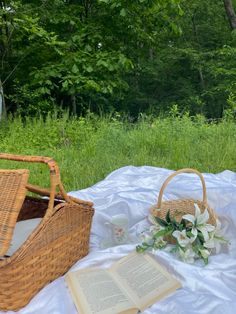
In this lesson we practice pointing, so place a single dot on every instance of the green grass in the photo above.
(87, 149)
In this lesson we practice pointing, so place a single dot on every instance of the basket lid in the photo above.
(12, 195)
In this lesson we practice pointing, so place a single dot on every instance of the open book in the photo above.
(131, 284)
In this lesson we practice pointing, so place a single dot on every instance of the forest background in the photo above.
(142, 82)
(118, 55)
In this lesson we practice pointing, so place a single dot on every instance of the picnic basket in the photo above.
(180, 207)
(60, 239)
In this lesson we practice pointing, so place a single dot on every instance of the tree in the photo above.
(78, 54)
(2, 102)
(106, 55)
(21, 39)
(194, 68)
(230, 13)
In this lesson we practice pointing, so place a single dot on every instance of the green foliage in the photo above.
(192, 67)
(117, 55)
(89, 148)
(76, 54)
(191, 238)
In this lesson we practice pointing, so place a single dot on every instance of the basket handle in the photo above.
(185, 170)
(40, 159)
(54, 175)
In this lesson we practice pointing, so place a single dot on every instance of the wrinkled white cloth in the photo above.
(131, 191)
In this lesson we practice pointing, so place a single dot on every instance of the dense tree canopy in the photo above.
(106, 55)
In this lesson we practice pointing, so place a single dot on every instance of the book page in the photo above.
(95, 291)
(144, 279)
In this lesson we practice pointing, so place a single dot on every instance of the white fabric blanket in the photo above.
(131, 191)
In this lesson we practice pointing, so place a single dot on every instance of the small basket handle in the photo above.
(185, 170)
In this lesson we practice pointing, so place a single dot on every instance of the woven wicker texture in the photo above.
(61, 239)
(180, 207)
(12, 194)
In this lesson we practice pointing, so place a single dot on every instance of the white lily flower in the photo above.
(218, 231)
(205, 230)
(208, 237)
(187, 255)
(212, 244)
(159, 243)
(152, 220)
(205, 253)
(194, 233)
(181, 237)
(216, 238)
(199, 218)
(154, 229)
(199, 222)
(146, 237)
(155, 225)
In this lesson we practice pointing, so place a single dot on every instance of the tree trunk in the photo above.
(2, 102)
(200, 72)
(230, 13)
(202, 81)
(73, 102)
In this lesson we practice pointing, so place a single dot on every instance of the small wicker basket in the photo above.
(180, 207)
(61, 238)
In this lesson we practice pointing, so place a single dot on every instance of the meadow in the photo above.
(89, 148)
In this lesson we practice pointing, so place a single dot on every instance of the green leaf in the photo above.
(161, 222)
(65, 84)
(183, 223)
(175, 224)
(89, 69)
(140, 249)
(88, 48)
(123, 12)
(189, 234)
(168, 219)
(163, 232)
(75, 69)
(175, 249)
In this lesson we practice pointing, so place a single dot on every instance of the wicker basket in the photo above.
(61, 238)
(180, 207)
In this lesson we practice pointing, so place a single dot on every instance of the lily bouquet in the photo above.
(191, 238)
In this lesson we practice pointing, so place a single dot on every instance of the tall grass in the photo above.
(89, 148)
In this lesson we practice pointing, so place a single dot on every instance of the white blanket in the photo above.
(132, 190)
